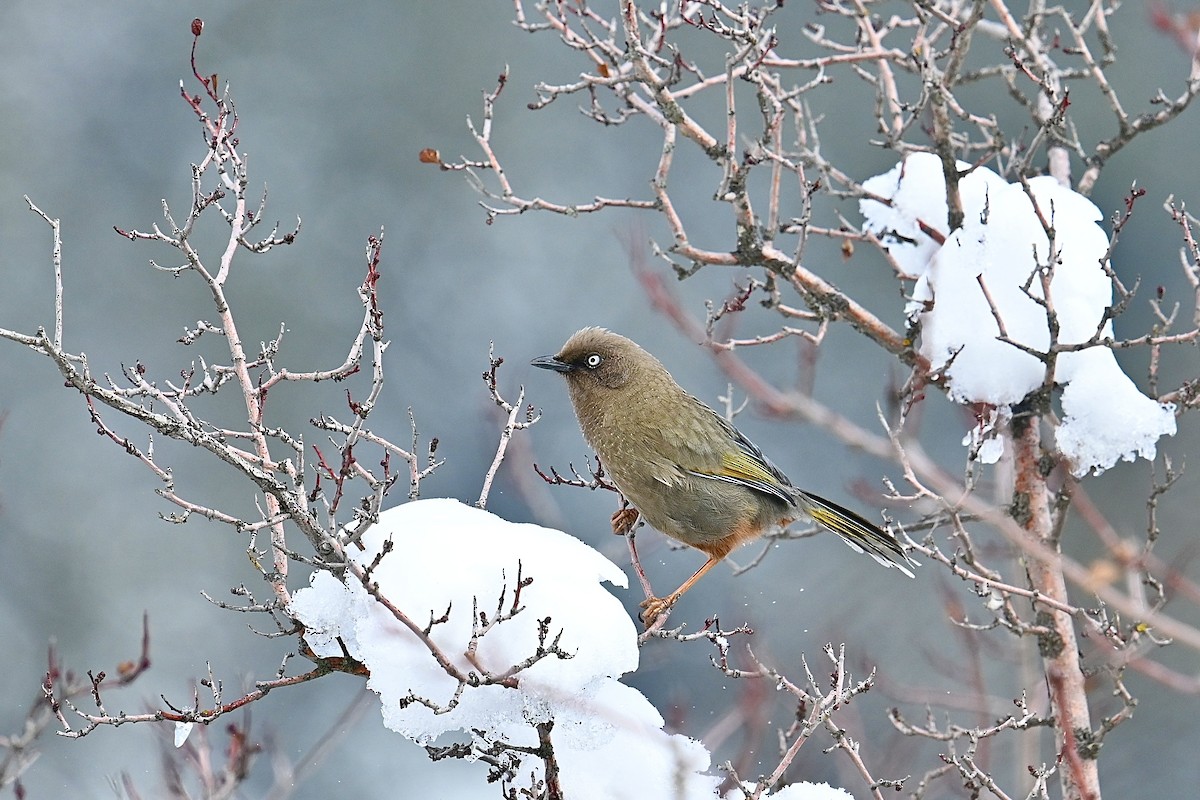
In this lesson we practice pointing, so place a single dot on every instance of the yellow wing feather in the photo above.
(741, 465)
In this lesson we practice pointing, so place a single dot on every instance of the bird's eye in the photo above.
(593, 360)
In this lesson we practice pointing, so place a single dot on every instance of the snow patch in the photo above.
(979, 299)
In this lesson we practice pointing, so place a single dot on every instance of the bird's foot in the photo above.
(624, 520)
(655, 607)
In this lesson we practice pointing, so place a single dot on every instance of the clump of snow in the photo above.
(608, 739)
(812, 791)
(795, 791)
(1125, 424)
(984, 440)
(996, 254)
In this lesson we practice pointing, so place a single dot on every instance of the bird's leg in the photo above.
(653, 607)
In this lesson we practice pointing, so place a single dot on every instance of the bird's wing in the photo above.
(744, 464)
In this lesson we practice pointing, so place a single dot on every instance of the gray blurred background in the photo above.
(336, 100)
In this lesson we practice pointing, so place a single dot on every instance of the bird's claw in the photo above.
(653, 608)
(623, 520)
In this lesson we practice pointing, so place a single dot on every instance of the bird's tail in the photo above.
(863, 536)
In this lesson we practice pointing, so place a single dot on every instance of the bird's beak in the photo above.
(550, 362)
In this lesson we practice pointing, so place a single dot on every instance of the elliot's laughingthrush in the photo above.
(683, 466)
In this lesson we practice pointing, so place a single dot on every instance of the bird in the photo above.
(685, 468)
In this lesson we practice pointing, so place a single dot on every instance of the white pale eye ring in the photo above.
(593, 360)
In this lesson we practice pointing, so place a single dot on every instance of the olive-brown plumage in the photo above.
(686, 469)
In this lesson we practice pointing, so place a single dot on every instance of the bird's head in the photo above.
(597, 361)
